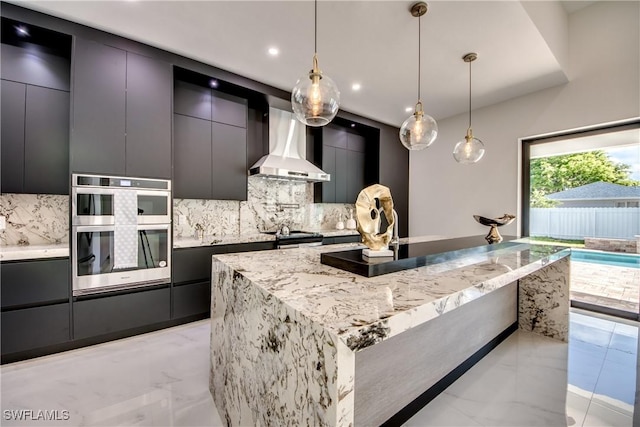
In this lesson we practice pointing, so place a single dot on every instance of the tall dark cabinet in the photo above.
(209, 144)
(344, 155)
(35, 112)
(121, 121)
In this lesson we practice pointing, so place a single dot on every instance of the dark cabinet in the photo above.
(35, 139)
(210, 144)
(115, 313)
(34, 282)
(98, 121)
(46, 141)
(353, 238)
(35, 304)
(148, 141)
(192, 158)
(35, 327)
(191, 299)
(121, 121)
(344, 157)
(229, 162)
(192, 275)
(13, 97)
(228, 109)
(192, 100)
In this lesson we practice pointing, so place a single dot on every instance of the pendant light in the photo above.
(315, 98)
(471, 149)
(419, 130)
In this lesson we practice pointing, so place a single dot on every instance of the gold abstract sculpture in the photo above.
(371, 202)
(494, 236)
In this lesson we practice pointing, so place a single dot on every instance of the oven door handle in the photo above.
(141, 227)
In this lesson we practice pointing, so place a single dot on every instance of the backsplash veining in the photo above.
(270, 204)
(34, 219)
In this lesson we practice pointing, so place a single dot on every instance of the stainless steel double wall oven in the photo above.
(121, 232)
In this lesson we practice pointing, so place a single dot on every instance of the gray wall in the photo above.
(604, 56)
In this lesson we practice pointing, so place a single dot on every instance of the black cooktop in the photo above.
(412, 255)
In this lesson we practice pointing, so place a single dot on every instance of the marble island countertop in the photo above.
(299, 340)
(13, 253)
(363, 311)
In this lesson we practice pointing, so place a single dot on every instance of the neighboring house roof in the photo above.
(597, 191)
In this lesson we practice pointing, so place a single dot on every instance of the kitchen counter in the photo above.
(322, 329)
(14, 253)
(190, 242)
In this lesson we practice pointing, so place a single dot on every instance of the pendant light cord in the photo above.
(419, 32)
(315, 26)
(470, 94)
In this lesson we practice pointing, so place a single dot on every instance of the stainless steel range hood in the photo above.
(287, 149)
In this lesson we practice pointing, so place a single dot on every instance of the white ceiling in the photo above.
(374, 43)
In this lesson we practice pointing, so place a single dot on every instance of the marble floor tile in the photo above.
(441, 415)
(501, 391)
(577, 406)
(157, 379)
(601, 416)
(586, 361)
(161, 379)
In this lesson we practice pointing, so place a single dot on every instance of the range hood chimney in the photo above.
(287, 149)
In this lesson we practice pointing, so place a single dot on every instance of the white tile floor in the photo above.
(161, 379)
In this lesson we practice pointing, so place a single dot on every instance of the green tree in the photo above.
(558, 173)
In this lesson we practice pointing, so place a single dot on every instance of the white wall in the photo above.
(604, 58)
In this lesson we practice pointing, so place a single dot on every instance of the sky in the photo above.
(629, 155)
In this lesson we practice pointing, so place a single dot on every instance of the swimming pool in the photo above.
(606, 258)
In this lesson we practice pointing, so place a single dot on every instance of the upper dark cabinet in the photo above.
(34, 65)
(13, 96)
(192, 100)
(148, 140)
(46, 141)
(229, 161)
(35, 112)
(99, 102)
(228, 109)
(344, 155)
(210, 143)
(192, 158)
(121, 112)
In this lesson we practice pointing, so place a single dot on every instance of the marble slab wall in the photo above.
(34, 219)
(270, 204)
(284, 371)
(544, 301)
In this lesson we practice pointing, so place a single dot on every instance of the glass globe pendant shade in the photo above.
(419, 130)
(468, 151)
(315, 98)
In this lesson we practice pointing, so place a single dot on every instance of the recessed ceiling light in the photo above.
(356, 86)
(213, 83)
(408, 109)
(273, 51)
(353, 125)
(22, 31)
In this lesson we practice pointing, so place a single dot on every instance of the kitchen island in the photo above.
(298, 342)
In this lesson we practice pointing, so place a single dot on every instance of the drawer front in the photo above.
(103, 315)
(191, 299)
(193, 264)
(31, 328)
(32, 282)
(347, 239)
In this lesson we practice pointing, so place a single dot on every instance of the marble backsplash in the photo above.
(34, 219)
(40, 219)
(269, 205)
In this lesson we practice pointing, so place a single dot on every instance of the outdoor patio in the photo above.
(609, 286)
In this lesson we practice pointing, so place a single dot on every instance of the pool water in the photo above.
(606, 258)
